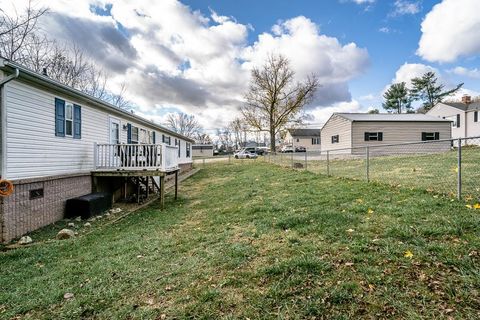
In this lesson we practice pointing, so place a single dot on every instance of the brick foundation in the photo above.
(20, 214)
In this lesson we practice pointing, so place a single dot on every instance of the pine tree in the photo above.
(425, 89)
(397, 98)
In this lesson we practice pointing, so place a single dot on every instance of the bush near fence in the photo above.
(450, 167)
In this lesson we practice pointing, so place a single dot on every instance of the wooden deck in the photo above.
(140, 173)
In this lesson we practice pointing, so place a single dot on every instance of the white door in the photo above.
(115, 140)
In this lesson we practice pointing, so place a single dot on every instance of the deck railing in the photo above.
(135, 157)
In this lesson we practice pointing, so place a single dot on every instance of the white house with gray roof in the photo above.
(308, 138)
(463, 116)
(358, 130)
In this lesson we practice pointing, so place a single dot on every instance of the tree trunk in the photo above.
(272, 140)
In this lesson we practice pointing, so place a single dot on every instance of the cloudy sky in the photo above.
(195, 56)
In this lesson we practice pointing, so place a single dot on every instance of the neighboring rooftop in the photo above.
(304, 132)
(464, 106)
(394, 117)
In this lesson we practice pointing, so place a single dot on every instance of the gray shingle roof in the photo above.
(463, 106)
(304, 132)
(404, 117)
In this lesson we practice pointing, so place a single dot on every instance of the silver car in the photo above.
(245, 154)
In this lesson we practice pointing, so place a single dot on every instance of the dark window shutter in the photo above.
(380, 136)
(59, 117)
(366, 136)
(424, 136)
(163, 138)
(475, 116)
(129, 133)
(154, 137)
(77, 122)
(458, 121)
(437, 135)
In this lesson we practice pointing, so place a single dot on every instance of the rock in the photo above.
(71, 224)
(88, 224)
(107, 214)
(68, 295)
(25, 240)
(115, 210)
(99, 217)
(65, 234)
(91, 219)
(298, 165)
(78, 219)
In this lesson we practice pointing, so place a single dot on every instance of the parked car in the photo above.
(245, 154)
(300, 149)
(286, 148)
(256, 150)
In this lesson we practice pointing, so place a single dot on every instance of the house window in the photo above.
(335, 139)
(427, 136)
(188, 149)
(475, 116)
(134, 134)
(68, 119)
(179, 145)
(315, 140)
(373, 136)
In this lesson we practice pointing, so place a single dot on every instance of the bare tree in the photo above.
(225, 138)
(184, 124)
(274, 98)
(203, 138)
(16, 29)
(239, 130)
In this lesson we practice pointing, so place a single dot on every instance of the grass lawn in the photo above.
(434, 172)
(253, 240)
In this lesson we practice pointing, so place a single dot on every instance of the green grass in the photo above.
(252, 240)
(433, 172)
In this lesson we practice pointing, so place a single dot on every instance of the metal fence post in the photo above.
(367, 154)
(328, 162)
(459, 167)
(306, 162)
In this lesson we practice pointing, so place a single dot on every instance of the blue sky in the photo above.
(391, 38)
(195, 56)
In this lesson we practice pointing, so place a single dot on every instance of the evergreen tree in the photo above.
(425, 89)
(397, 98)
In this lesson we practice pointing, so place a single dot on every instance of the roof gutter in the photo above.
(10, 77)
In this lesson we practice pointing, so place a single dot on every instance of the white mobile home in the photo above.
(359, 130)
(463, 116)
(55, 138)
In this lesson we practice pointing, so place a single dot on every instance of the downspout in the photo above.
(3, 120)
(3, 123)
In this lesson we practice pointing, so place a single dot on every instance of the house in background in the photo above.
(58, 143)
(308, 138)
(358, 130)
(202, 150)
(463, 115)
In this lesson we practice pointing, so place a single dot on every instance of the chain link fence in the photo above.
(450, 167)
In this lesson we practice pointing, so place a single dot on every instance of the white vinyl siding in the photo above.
(33, 150)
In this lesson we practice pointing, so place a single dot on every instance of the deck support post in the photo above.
(176, 184)
(162, 192)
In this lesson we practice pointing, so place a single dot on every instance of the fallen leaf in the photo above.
(476, 206)
(68, 295)
(408, 254)
(370, 211)
(349, 264)
(350, 230)
(469, 206)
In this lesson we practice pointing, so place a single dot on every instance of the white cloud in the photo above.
(403, 7)
(451, 30)
(363, 1)
(464, 72)
(384, 30)
(412, 70)
(321, 115)
(174, 57)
